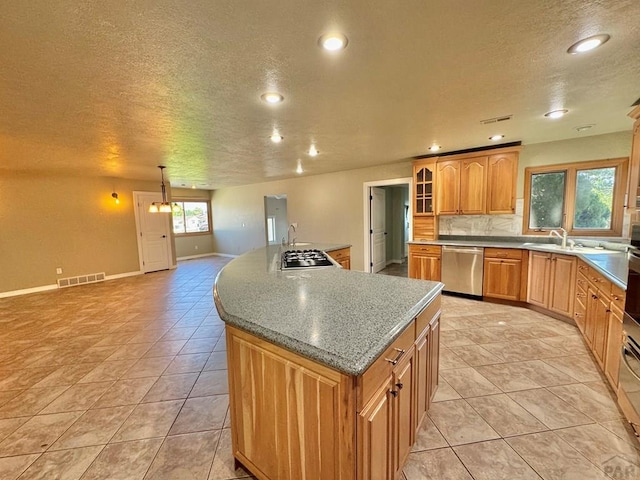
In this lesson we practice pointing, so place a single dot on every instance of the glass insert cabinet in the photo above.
(423, 176)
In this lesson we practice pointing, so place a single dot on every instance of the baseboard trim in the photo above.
(123, 275)
(46, 288)
(395, 260)
(226, 255)
(191, 257)
(27, 291)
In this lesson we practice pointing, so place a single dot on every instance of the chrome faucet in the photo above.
(289, 242)
(563, 236)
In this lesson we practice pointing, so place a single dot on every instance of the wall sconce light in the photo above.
(115, 196)
(164, 206)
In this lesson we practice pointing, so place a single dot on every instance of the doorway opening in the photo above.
(387, 226)
(275, 218)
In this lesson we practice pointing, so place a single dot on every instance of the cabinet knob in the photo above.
(399, 385)
(394, 393)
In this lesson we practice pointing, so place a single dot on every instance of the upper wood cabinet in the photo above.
(477, 183)
(448, 188)
(633, 190)
(473, 186)
(501, 183)
(424, 174)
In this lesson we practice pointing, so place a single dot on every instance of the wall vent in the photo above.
(81, 280)
(496, 119)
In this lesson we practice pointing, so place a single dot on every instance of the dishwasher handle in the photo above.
(468, 250)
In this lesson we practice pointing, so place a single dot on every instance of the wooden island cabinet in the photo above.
(294, 418)
(598, 314)
(342, 256)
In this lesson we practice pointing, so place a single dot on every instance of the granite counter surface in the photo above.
(340, 318)
(614, 266)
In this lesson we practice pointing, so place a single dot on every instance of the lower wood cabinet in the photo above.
(551, 284)
(614, 344)
(598, 313)
(292, 418)
(425, 262)
(342, 256)
(503, 274)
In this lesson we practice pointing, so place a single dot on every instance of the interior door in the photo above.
(378, 229)
(154, 235)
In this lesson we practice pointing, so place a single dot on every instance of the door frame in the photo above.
(366, 193)
(170, 246)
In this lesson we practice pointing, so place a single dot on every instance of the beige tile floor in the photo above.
(127, 380)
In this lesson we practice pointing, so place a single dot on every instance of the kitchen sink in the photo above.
(558, 248)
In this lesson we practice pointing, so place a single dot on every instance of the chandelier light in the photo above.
(164, 206)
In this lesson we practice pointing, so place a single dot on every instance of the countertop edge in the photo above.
(588, 258)
(316, 354)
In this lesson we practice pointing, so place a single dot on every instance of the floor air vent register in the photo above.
(81, 280)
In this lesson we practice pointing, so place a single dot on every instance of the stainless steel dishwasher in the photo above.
(462, 269)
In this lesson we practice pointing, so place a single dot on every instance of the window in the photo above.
(191, 217)
(583, 198)
(271, 229)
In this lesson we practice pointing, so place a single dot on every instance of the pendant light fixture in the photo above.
(164, 206)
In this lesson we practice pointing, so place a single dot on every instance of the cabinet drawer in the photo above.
(423, 319)
(598, 280)
(581, 282)
(500, 253)
(381, 368)
(341, 254)
(617, 296)
(583, 268)
(428, 249)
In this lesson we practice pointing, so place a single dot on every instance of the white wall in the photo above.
(327, 208)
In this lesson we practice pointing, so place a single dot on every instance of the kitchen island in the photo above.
(330, 371)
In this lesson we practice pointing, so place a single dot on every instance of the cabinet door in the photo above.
(422, 380)
(502, 278)
(590, 314)
(448, 188)
(580, 313)
(473, 186)
(614, 344)
(424, 267)
(501, 183)
(562, 284)
(346, 264)
(600, 319)
(423, 181)
(539, 271)
(434, 356)
(375, 437)
(404, 421)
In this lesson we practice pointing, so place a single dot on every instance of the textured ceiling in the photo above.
(115, 88)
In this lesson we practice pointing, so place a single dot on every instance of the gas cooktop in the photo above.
(305, 259)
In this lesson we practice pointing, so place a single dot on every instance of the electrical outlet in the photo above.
(59, 271)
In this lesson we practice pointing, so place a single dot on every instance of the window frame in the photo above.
(193, 200)
(571, 170)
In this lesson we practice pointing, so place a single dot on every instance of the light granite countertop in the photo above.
(613, 265)
(340, 318)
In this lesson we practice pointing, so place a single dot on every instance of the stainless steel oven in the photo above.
(630, 354)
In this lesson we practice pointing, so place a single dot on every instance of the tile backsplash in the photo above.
(484, 225)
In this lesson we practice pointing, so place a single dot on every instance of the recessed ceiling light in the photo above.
(276, 137)
(556, 113)
(495, 138)
(272, 97)
(582, 128)
(312, 151)
(299, 168)
(434, 148)
(587, 44)
(333, 41)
